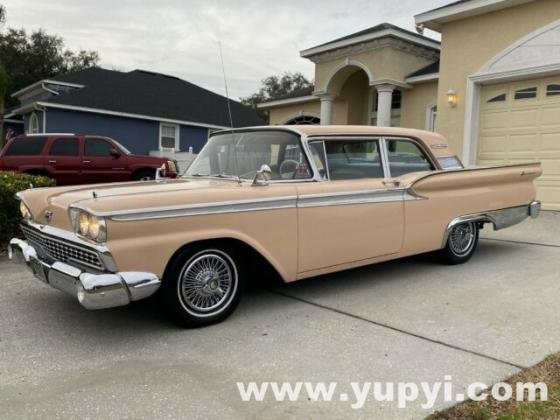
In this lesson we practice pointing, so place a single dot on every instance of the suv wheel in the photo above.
(203, 285)
(145, 175)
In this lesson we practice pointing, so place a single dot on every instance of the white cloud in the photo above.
(181, 37)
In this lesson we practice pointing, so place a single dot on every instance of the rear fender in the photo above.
(441, 197)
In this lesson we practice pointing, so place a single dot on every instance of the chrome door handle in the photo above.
(52, 161)
(392, 182)
(86, 161)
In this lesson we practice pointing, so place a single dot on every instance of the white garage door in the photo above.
(520, 122)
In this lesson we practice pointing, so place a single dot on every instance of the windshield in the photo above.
(243, 154)
(124, 149)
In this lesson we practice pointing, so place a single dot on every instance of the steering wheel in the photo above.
(288, 169)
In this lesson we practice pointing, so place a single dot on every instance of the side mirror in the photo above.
(263, 175)
(115, 153)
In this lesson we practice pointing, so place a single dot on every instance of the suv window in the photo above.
(353, 159)
(405, 157)
(65, 147)
(26, 146)
(98, 147)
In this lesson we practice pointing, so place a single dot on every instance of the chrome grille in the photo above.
(61, 250)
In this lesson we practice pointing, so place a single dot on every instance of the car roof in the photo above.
(436, 142)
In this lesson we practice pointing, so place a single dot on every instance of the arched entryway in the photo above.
(358, 98)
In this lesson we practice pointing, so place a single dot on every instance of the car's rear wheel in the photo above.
(145, 175)
(461, 243)
(203, 285)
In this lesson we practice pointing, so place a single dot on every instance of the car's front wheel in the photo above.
(461, 243)
(203, 285)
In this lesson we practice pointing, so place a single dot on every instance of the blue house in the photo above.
(144, 111)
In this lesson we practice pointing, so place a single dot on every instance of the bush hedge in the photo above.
(10, 184)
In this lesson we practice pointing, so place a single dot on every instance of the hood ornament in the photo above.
(48, 215)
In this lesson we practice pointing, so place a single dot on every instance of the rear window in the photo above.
(26, 146)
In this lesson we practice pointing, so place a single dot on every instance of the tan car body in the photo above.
(303, 227)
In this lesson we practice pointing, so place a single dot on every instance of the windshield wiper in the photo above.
(198, 175)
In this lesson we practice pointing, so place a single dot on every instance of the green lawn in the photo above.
(547, 371)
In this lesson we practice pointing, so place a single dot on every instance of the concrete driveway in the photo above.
(411, 320)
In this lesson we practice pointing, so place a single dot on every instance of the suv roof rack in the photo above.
(46, 134)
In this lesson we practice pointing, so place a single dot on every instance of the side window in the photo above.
(64, 147)
(405, 157)
(26, 146)
(353, 159)
(97, 147)
(318, 154)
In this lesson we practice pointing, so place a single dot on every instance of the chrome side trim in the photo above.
(287, 202)
(354, 197)
(500, 219)
(203, 208)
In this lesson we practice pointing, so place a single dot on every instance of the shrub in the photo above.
(10, 184)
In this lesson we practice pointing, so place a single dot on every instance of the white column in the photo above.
(326, 109)
(384, 97)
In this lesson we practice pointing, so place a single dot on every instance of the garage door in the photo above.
(520, 122)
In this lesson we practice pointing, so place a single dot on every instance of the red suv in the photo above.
(78, 159)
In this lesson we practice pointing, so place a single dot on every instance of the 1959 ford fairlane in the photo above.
(307, 200)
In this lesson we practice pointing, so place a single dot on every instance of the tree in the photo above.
(3, 89)
(2, 14)
(274, 87)
(28, 58)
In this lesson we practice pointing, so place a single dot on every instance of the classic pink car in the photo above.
(306, 200)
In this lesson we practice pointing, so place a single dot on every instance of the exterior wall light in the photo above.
(452, 98)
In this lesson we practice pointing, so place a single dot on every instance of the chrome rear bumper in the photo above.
(93, 291)
(500, 219)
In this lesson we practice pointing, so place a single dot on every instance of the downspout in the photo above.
(54, 92)
(44, 111)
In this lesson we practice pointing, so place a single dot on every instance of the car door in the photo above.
(103, 161)
(64, 161)
(355, 213)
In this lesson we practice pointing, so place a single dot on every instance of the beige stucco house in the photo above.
(492, 86)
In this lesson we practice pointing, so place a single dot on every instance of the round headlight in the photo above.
(88, 225)
(25, 213)
(94, 227)
(83, 223)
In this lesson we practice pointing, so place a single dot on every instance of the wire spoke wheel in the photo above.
(462, 238)
(207, 282)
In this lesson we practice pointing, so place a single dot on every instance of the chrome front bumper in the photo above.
(93, 291)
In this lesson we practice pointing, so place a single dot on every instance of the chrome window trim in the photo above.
(385, 157)
(324, 139)
(428, 155)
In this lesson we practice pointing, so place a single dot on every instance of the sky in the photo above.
(259, 38)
